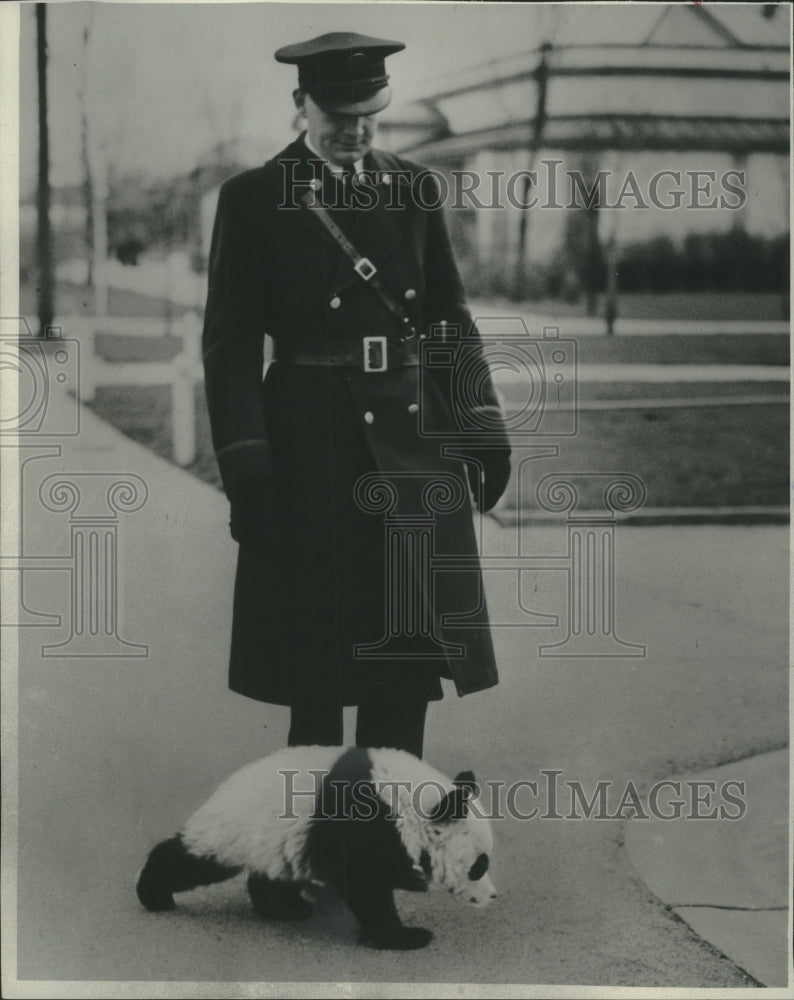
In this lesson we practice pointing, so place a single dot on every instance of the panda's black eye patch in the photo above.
(479, 868)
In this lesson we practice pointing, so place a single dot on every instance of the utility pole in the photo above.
(46, 276)
(88, 184)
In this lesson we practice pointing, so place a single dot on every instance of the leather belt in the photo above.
(370, 354)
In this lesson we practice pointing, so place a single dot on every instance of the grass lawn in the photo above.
(659, 305)
(682, 349)
(144, 414)
(708, 456)
(514, 396)
(717, 455)
(78, 300)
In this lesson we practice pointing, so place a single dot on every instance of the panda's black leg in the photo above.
(277, 900)
(171, 868)
(381, 927)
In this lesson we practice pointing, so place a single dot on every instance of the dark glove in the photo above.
(489, 473)
(253, 515)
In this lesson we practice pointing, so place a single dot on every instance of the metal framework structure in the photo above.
(661, 92)
(624, 97)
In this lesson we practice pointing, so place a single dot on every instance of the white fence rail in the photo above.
(181, 373)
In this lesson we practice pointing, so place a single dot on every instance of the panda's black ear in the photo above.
(454, 805)
(466, 781)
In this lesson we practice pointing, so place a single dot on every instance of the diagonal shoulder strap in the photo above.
(363, 266)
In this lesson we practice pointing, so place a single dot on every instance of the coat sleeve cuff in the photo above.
(243, 465)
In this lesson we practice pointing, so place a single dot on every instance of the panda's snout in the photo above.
(482, 893)
(482, 900)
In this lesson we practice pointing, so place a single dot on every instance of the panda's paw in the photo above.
(398, 939)
(156, 902)
(152, 894)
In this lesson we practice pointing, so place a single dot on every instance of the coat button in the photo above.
(369, 417)
(410, 293)
(413, 408)
(387, 178)
(335, 302)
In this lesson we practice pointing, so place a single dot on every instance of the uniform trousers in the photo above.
(386, 717)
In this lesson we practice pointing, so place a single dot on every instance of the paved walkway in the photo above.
(727, 879)
(114, 752)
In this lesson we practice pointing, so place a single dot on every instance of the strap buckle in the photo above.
(375, 354)
(365, 269)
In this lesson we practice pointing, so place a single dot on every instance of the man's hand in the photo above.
(489, 473)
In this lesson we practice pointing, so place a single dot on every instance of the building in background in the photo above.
(695, 93)
(634, 99)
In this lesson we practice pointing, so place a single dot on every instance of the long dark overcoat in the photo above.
(354, 562)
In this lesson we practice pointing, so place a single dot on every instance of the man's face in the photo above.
(340, 139)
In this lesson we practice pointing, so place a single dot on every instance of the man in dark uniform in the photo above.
(349, 469)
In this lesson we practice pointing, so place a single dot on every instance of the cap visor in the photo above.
(365, 106)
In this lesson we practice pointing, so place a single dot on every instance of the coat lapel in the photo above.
(290, 173)
(376, 231)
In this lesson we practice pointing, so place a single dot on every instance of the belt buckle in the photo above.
(365, 269)
(375, 354)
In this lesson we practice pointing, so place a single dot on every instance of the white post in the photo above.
(183, 405)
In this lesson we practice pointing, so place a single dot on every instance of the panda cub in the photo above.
(367, 821)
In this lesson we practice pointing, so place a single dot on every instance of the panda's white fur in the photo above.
(243, 822)
(293, 817)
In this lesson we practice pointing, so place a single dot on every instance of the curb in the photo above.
(651, 516)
